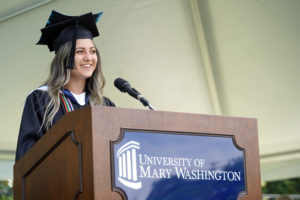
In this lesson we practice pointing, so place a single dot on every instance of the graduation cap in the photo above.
(62, 28)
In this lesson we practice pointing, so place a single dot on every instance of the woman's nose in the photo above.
(88, 56)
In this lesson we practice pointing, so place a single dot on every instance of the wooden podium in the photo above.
(73, 160)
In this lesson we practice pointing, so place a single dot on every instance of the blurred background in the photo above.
(234, 58)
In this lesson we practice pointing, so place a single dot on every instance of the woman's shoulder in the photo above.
(108, 102)
(39, 94)
(36, 102)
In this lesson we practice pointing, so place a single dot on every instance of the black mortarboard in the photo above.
(62, 28)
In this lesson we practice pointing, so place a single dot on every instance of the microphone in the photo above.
(124, 86)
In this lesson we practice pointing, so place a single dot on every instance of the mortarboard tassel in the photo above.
(72, 53)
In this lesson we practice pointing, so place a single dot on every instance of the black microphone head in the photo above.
(120, 84)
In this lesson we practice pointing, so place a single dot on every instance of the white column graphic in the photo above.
(134, 165)
(129, 173)
(124, 165)
(128, 165)
(120, 167)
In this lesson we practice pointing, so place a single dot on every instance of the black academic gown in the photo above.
(32, 118)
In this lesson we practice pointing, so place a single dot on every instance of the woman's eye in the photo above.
(79, 52)
(93, 51)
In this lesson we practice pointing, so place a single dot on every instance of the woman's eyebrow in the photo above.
(84, 48)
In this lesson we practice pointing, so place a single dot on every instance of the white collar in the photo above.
(80, 98)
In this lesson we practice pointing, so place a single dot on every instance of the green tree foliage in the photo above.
(6, 191)
(288, 186)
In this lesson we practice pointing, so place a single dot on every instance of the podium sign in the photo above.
(171, 165)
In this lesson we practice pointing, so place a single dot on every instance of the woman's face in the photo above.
(85, 59)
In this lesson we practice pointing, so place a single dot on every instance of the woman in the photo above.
(75, 81)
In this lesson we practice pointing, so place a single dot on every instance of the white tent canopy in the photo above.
(237, 58)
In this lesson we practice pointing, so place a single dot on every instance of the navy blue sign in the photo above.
(170, 166)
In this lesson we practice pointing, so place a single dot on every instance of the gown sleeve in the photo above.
(32, 118)
(108, 102)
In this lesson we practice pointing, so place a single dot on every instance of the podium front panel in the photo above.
(173, 165)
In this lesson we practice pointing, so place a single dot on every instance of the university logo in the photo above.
(127, 159)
